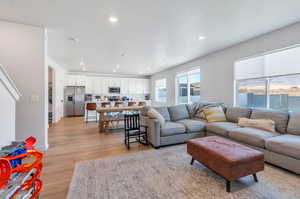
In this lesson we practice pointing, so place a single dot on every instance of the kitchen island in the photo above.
(93, 115)
(104, 121)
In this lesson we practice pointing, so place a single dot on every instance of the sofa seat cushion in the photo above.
(193, 125)
(172, 128)
(254, 137)
(285, 144)
(221, 128)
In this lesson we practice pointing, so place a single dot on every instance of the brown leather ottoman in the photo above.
(227, 158)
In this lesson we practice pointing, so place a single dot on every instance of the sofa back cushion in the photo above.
(154, 114)
(178, 112)
(294, 123)
(234, 113)
(280, 118)
(192, 108)
(163, 110)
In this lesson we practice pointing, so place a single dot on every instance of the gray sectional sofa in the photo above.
(281, 148)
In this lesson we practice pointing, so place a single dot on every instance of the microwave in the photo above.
(114, 90)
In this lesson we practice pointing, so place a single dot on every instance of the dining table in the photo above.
(103, 112)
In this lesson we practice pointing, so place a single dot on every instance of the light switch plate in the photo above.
(35, 98)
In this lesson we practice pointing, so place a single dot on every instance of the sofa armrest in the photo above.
(154, 132)
(144, 120)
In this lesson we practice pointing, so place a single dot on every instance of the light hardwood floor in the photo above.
(71, 141)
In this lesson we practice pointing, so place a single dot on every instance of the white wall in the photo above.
(22, 52)
(217, 69)
(59, 75)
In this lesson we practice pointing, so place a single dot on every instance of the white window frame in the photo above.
(156, 90)
(188, 74)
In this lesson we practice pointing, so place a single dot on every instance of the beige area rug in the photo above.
(167, 173)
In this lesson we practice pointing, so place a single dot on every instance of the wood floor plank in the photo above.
(71, 141)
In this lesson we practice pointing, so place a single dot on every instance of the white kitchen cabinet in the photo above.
(89, 85)
(124, 86)
(114, 82)
(132, 86)
(146, 86)
(75, 80)
(139, 87)
(105, 86)
(100, 85)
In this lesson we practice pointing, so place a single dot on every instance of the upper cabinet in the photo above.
(75, 80)
(100, 85)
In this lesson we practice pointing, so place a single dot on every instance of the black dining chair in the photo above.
(133, 131)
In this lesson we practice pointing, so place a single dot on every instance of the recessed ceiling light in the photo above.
(201, 38)
(117, 66)
(74, 39)
(113, 19)
(114, 70)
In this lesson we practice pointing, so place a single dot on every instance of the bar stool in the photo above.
(91, 106)
(142, 104)
(107, 115)
(131, 103)
(105, 104)
(119, 104)
(120, 114)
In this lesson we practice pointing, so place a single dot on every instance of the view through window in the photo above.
(279, 93)
(188, 87)
(161, 90)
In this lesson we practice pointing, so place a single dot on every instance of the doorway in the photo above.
(50, 95)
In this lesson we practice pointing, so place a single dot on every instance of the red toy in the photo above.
(31, 169)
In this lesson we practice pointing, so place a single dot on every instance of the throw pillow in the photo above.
(263, 124)
(154, 114)
(215, 114)
(200, 110)
(200, 114)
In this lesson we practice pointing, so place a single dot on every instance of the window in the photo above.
(252, 93)
(188, 87)
(279, 93)
(269, 81)
(161, 90)
(284, 92)
(183, 89)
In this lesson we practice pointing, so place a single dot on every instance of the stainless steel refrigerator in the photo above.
(74, 100)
